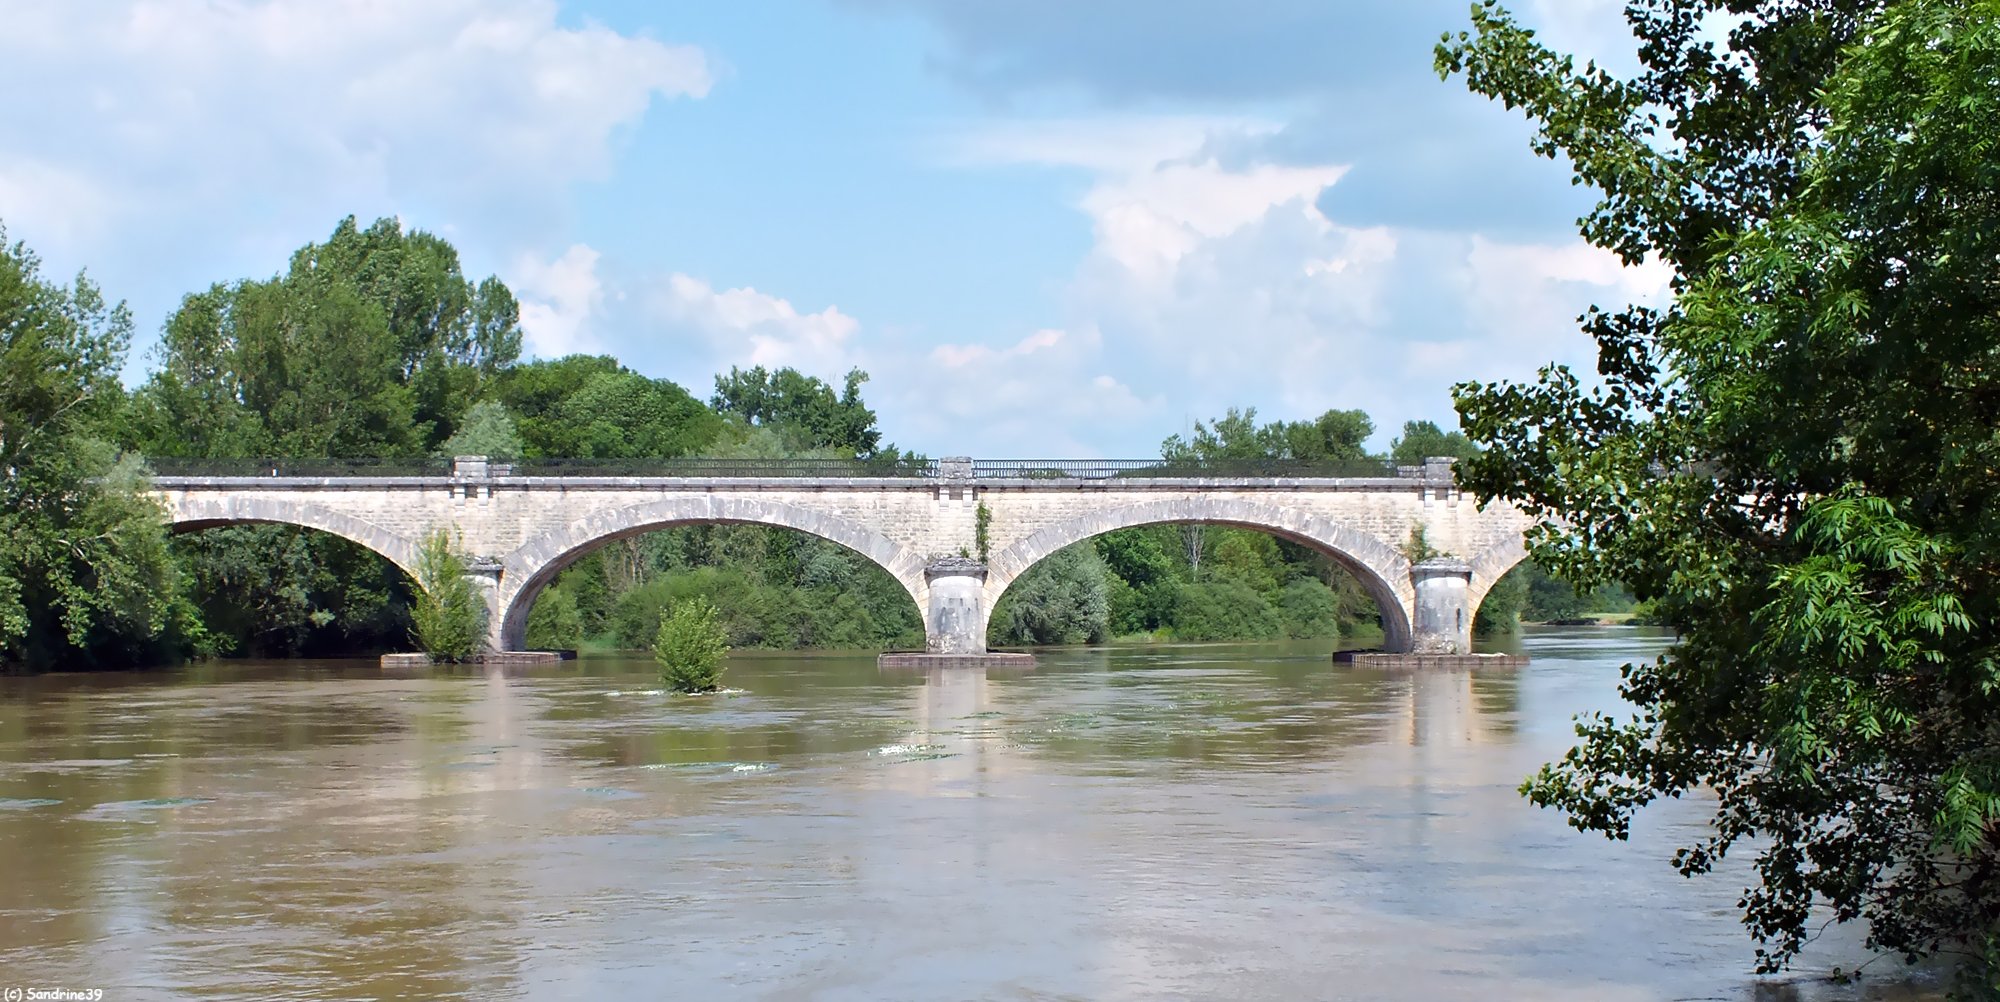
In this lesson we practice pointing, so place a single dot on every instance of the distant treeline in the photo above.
(373, 343)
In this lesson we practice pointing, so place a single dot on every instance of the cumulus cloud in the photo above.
(1215, 283)
(174, 135)
(746, 327)
(560, 301)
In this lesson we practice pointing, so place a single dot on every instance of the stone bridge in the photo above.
(520, 530)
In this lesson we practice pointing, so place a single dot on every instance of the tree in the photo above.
(1061, 600)
(370, 344)
(690, 647)
(591, 407)
(85, 578)
(449, 617)
(1336, 436)
(1422, 440)
(805, 406)
(487, 430)
(1795, 463)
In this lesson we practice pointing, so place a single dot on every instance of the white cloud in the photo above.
(747, 327)
(559, 299)
(290, 113)
(1216, 284)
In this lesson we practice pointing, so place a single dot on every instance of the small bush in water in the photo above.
(690, 646)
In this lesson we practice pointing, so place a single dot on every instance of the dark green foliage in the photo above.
(1500, 612)
(1306, 607)
(1795, 464)
(554, 623)
(85, 574)
(1224, 610)
(448, 617)
(1061, 600)
(689, 647)
(824, 597)
(283, 591)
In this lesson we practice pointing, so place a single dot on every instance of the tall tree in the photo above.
(370, 344)
(84, 574)
(1797, 460)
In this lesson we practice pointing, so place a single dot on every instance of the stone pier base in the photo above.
(986, 659)
(1427, 662)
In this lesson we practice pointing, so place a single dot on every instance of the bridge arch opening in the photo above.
(783, 576)
(1199, 569)
(295, 582)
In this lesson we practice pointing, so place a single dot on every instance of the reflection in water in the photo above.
(1198, 822)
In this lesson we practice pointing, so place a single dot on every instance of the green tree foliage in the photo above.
(1336, 436)
(487, 430)
(85, 576)
(689, 647)
(283, 591)
(448, 619)
(804, 406)
(1061, 600)
(1795, 463)
(590, 407)
(554, 624)
(371, 344)
(1423, 439)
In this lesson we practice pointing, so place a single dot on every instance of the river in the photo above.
(1206, 822)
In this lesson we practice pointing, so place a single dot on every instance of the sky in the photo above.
(1046, 228)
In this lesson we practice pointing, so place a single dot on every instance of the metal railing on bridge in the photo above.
(170, 466)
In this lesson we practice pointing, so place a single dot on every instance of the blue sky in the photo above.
(1045, 227)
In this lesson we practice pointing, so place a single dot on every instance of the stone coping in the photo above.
(807, 483)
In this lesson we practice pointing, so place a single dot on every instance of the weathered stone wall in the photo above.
(532, 527)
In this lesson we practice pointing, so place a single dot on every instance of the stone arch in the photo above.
(1489, 566)
(194, 514)
(1381, 569)
(529, 568)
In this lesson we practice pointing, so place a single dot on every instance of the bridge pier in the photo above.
(1442, 623)
(484, 573)
(955, 622)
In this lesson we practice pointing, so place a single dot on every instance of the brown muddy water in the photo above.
(1239, 822)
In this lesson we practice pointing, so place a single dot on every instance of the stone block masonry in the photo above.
(522, 530)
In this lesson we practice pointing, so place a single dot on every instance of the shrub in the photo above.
(690, 646)
(448, 618)
(1224, 610)
(1062, 600)
(1309, 609)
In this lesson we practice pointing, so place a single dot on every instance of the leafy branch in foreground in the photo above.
(1796, 461)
